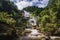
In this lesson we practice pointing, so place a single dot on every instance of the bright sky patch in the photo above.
(25, 3)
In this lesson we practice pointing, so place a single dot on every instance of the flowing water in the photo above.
(34, 34)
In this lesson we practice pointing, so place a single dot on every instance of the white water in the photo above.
(34, 32)
(26, 14)
(31, 23)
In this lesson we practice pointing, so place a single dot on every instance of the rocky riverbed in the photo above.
(42, 38)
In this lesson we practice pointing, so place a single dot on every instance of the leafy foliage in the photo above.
(48, 18)
(4, 17)
(11, 19)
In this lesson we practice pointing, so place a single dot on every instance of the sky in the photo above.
(21, 4)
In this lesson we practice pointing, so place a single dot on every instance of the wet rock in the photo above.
(55, 38)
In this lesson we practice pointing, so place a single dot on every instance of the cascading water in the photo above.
(31, 22)
(26, 15)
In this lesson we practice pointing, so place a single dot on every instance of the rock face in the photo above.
(54, 38)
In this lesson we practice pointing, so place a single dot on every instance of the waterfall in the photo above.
(31, 21)
(26, 14)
